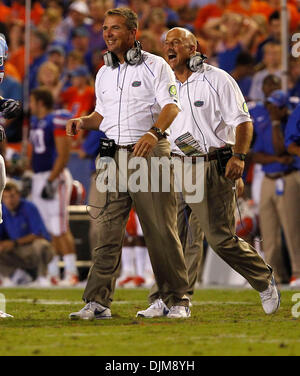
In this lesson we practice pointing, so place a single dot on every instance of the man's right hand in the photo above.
(73, 126)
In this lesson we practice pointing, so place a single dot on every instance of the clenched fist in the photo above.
(73, 126)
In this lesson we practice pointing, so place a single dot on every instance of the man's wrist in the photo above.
(158, 132)
(153, 135)
(241, 156)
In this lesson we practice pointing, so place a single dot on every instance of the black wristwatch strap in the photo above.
(241, 156)
(159, 133)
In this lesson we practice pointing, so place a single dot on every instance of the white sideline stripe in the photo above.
(120, 302)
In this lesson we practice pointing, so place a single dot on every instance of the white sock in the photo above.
(70, 264)
(128, 262)
(140, 259)
(53, 268)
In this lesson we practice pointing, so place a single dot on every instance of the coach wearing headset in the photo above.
(136, 103)
(215, 117)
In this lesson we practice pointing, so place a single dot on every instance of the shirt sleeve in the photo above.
(292, 130)
(232, 103)
(99, 105)
(165, 86)
(59, 122)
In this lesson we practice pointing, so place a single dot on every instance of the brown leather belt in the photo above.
(207, 157)
(279, 174)
(126, 147)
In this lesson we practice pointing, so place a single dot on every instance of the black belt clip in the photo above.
(223, 156)
(107, 147)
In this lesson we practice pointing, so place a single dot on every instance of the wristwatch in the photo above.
(240, 156)
(159, 133)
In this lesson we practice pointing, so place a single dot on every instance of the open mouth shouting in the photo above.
(171, 56)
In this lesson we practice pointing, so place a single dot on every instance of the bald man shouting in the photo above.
(214, 126)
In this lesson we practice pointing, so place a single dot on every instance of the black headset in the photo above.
(195, 62)
(132, 57)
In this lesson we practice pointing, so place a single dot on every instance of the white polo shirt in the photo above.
(212, 106)
(131, 97)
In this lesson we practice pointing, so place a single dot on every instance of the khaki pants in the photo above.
(215, 214)
(36, 255)
(281, 212)
(93, 230)
(191, 237)
(157, 215)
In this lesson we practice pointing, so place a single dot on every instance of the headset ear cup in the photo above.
(134, 55)
(194, 63)
(110, 59)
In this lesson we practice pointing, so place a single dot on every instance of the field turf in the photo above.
(223, 322)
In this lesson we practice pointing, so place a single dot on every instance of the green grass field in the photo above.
(223, 322)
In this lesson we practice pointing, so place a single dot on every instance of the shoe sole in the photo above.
(149, 317)
(76, 318)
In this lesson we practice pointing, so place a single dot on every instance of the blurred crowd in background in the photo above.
(66, 48)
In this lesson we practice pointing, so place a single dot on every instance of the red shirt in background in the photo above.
(79, 103)
(207, 12)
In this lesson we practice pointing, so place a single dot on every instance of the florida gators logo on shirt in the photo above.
(136, 83)
(199, 103)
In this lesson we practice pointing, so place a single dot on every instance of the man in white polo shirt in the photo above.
(136, 103)
(213, 121)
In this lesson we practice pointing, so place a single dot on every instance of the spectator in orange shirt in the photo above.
(18, 11)
(5, 13)
(294, 15)
(16, 46)
(209, 11)
(79, 99)
(249, 7)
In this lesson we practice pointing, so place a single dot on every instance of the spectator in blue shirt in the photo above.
(24, 240)
(292, 136)
(280, 200)
(243, 72)
(38, 55)
(292, 142)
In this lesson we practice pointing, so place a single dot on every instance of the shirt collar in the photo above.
(195, 76)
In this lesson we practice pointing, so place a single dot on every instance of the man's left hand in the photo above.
(234, 168)
(144, 145)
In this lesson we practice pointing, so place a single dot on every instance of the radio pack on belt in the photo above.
(223, 156)
(107, 147)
